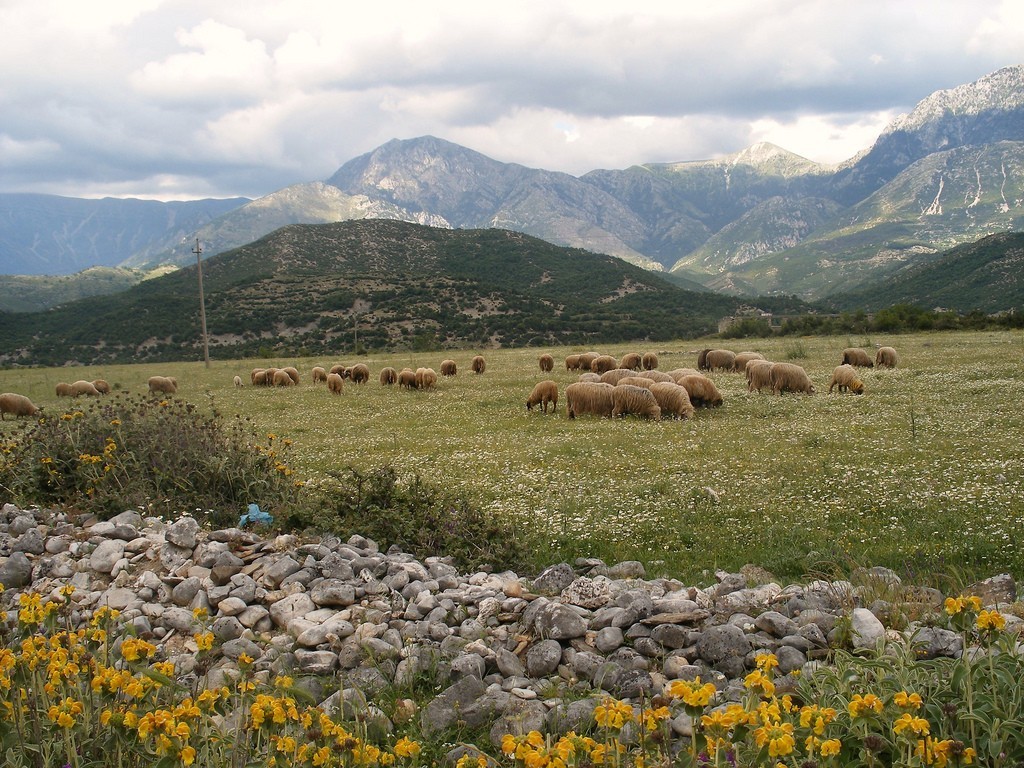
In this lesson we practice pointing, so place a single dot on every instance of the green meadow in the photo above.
(922, 473)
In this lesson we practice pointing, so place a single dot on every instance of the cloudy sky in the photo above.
(179, 99)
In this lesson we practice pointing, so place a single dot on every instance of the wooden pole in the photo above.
(198, 250)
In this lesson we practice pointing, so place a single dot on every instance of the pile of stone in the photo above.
(349, 621)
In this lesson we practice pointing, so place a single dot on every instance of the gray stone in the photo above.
(184, 592)
(31, 542)
(866, 631)
(553, 579)
(543, 657)
(289, 608)
(559, 622)
(443, 711)
(316, 662)
(333, 592)
(16, 571)
(183, 533)
(106, 555)
(587, 593)
(608, 639)
(775, 624)
(724, 647)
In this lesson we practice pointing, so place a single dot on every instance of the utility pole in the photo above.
(198, 251)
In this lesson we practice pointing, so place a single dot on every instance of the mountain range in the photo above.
(761, 221)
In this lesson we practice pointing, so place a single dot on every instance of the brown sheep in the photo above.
(591, 376)
(543, 393)
(636, 381)
(282, 379)
(270, 376)
(588, 397)
(759, 375)
(885, 357)
(237, 381)
(631, 360)
(856, 356)
(677, 373)
(16, 405)
(338, 368)
(789, 377)
(319, 374)
(163, 384)
(673, 399)
(649, 361)
(252, 375)
(479, 365)
(449, 368)
(83, 387)
(293, 374)
(260, 378)
(702, 358)
(546, 363)
(358, 373)
(603, 363)
(702, 391)
(586, 359)
(845, 377)
(718, 359)
(655, 375)
(638, 401)
(101, 386)
(407, 378)
(426, 378)
(335, 384)
(572, 362)
(64, 389)
(614, 375)
(739, 364)
(388, 376)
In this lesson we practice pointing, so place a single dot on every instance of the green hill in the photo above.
(386, 284)
(985, 276)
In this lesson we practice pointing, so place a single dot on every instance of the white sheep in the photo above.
(237, 381)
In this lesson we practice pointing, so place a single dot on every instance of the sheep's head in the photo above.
(857, 387)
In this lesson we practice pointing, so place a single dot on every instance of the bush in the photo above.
(418, 517)
(162, 456)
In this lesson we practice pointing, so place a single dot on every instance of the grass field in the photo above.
(923, 473)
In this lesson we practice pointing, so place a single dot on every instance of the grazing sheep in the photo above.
(543, 393)
(260, 378)
(293, 374)
(101, 386)
(335, 383)
(426, 378)
(17, 405)
(655, 375)
(407, 379)
(739, 364)
(82, 387)
(603, 363)
(631, 360)
(591, 376)
(586, 359)
(588, 397)
(449, 368)
(856, 356)
(845, 377)
(64, 389)
(677, 373)
(572, 362)
(282, 379)
(338, 368)
(702, 358)
(237, 381)
(546, 363)
(252, 375)
(789, 377)
(478, 365)
(718, 359)
(673, 399)
(759, 375)
(164, 384)
(358, 373)
(649, 361)
(636, 381)
(702, 391)
(271, 372)
(614, 375)
(319, 374)
(628, 399)
(388, 376)
(885, 357)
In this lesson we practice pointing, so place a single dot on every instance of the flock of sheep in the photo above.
(606, 386)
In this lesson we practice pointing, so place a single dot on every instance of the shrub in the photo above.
(417, 516)
(160, 455)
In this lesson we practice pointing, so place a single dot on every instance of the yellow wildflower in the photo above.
(991, 620)
(905, 700)
(907, 722)
(863, 706)
(777, 737)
